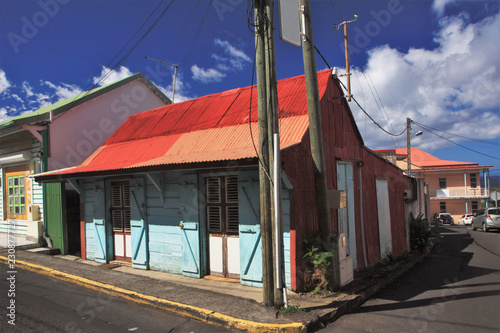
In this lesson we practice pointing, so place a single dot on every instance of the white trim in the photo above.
(15, 158)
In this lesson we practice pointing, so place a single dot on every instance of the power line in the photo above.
(459, 136)
(87, 90)
(198, 31)
(373, 120)
(457, 144)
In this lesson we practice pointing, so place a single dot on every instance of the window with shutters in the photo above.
(120, 207)
(222, 204)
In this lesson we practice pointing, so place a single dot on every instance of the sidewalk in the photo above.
(217, 302)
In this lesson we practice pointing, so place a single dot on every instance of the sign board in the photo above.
(337, 199)
(495, 196)
(289, 21)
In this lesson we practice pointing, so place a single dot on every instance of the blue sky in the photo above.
(436, 62)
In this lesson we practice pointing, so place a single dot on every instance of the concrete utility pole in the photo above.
(316, 134)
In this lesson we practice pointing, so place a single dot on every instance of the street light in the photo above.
(408, 143)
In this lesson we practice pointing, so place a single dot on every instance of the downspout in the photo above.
(360, 165)
(45, 159)
(465, 185)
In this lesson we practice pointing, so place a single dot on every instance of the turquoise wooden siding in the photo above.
(164, 218)
(183, 251)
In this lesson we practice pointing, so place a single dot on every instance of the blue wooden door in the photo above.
(100, 241)
(101, 252)
(250, 234)
(190, 249)
(138, 223)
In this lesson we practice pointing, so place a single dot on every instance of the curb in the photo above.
(189, 311)
(365, 295)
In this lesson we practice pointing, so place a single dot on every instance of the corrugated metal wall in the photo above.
(342, 141)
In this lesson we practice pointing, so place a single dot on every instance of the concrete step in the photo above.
(46, 250)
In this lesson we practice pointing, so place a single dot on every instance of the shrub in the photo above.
(319, 263)
(421, 233)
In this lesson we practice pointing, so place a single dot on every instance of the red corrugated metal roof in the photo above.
(206, 129)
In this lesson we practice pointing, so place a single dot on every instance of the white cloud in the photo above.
(3, 115)
(453, 87)
(233, 60)
(4, 83)
(206, 75)
(107, 78)
(64, 90)
(438, 6)
(180, 89)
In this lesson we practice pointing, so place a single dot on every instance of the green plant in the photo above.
(421, 233)
(319, 262)
(291, 308)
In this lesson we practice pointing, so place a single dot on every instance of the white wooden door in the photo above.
(384, 217)
(346, 222)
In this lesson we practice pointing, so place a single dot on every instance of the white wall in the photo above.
(78, 133)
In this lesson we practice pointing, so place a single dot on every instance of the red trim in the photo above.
(82, 238)
(293, 259)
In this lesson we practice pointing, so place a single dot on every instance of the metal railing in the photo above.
(459, 193)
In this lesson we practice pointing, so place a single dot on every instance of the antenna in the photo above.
(175, 74)
(348, 70)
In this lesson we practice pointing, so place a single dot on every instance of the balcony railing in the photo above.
(460, 193)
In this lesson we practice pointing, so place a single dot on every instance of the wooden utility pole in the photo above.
(316, 136)
(315, 129)
(273, 128)
(264, 147)
(408, 145)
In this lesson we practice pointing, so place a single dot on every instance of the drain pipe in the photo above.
(360, 165)
(277, 218)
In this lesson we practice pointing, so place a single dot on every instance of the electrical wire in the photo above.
(87, 90)
(453, 142)
(373, 120)
(197, 35)
(459, 136)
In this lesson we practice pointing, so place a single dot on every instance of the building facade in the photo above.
(177, 188)
(454, 187)
(58, 136)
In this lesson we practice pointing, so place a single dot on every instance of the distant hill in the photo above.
(494, 181)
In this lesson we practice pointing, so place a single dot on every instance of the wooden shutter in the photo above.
(222, 204)
(120, 204)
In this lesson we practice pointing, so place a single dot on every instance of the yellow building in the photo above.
(454, 187)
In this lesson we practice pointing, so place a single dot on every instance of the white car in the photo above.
(466, 219)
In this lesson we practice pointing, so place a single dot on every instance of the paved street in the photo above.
(455, 289)
(44, 304)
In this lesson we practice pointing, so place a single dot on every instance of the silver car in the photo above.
(486, 219)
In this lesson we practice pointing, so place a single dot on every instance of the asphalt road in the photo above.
(455, 289)
(45, 304)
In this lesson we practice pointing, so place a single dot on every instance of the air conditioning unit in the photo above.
(33, 213)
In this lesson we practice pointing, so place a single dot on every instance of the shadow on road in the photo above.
(441, 270)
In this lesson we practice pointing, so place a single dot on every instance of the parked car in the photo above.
(445, 218)
(486, 219)
(466, 219)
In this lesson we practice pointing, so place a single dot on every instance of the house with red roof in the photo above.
(454, 187)
(176, 188)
